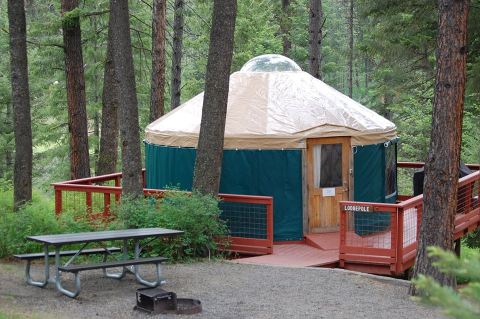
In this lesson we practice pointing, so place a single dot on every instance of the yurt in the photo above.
(290, 136)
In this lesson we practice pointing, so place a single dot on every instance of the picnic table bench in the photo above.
(59, 240)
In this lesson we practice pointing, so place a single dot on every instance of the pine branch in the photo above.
(38, 43)
(95, 13)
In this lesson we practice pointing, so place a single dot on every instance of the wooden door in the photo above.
(328, 168)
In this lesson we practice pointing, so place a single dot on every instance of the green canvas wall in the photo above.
(276, 173)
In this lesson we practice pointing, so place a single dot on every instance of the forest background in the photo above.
(393, 59)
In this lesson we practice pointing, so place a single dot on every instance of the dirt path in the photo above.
(227, 290)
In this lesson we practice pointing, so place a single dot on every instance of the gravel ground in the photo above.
(226, 289)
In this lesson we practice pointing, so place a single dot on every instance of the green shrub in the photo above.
(472, 240)
(464, 304)
(35, 218)
(197, 215)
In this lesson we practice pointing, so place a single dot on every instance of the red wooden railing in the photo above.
(95, 195)
(408, 168)
(388, 247)
(391, 249)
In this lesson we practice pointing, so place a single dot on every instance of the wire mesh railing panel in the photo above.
(73, 201)
(410, 227)
(97, 205)
(405, 180)
(467, 197)
(368, 230)
(245, 219)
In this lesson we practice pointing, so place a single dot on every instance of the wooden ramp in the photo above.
(319, 250)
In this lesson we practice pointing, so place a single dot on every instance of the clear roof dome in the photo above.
(270, 63)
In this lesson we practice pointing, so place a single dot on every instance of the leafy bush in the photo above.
(197, 215)
(472, 240)
(35, 218)
(464, 304)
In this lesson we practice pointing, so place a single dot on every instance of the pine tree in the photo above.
(315, 39)
(128, 104)
(208, 163)
(442, 165)
(108, 153)
(178, 26)
(22, 177)
(464, 304)
(76, 98)
(157, 90)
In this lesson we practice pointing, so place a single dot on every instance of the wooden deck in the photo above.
(319, 250)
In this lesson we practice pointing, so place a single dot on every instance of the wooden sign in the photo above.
(357, 208)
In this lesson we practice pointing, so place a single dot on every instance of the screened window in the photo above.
(327, 166)
(391, 170)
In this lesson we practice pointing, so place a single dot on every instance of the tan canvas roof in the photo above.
(275, 110)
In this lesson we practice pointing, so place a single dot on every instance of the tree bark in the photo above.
(96, 115)
(108, 154)
(350, 48)
(441, 168)
(128, 106)
(22, 176)
(285, 27)
(177, 54)
(8, 151)
(208, 164)
(158, 59)
(76, 100)
(315, 39)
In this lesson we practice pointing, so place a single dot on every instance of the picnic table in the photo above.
(128, 264)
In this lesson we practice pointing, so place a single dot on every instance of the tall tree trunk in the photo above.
(350, 48)
(315, 39)
(76, 100)
(158, 59)
(22, 176)
(285, 27)
(441, 168)
(8, 150)
(96, 115)
(108, 154)
(128, 105)
(208, 164)
(177, 54)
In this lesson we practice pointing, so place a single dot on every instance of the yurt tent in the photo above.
(290, 136)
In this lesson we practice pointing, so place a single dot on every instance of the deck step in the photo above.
(324, 241)
(295, 255)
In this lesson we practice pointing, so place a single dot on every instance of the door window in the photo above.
(327, 167)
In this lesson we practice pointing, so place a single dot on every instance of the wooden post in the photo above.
(117, 184)
(88, 200)
(399, 247)
(343, 235)
(393, 241)
(458, 245)
(144, 180)
(58, 201)
(270, 225)
(106, 204)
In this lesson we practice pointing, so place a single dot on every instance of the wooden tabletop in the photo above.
(62, 239)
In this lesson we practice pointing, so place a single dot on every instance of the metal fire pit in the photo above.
(159, 301)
